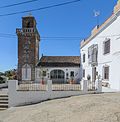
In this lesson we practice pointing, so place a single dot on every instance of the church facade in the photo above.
(59, 69)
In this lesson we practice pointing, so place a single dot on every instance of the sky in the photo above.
(74, 22)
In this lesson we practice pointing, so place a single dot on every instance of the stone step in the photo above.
(2, 109)
(3, 105)
(3, 98)
(3, 101)
(3, 95)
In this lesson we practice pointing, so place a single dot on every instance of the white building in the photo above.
(59, 69)
(100, 53)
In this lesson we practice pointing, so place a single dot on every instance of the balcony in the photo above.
(93, 54)
(25, 30)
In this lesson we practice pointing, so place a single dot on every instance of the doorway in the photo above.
(93, 77)
(57, 76)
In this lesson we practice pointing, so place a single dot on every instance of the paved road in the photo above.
(84, 108)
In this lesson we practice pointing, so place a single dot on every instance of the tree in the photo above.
(2, 80)
(11, 74)
(1, 73)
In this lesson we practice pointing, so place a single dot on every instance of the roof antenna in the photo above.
(97, 14)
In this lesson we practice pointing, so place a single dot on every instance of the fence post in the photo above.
(99, 90)
(12, 87)
(85, 89)
(81, 83)
(49, 85)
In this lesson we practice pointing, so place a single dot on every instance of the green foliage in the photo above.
(2, 80)
(10, 74)
(1, 73)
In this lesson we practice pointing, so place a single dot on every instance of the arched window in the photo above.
(83, 58)
(26, 72)
(28, 25)
(57, 74)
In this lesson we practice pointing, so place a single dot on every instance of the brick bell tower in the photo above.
(28, 49)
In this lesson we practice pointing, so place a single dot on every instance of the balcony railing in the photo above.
(25, 30)
(93, 54)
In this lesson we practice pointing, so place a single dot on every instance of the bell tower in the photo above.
(28, 49)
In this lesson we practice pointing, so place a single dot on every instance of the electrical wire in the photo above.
(42, 8)
(16, 4)
(8, 35)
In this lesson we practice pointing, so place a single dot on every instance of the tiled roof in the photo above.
(59, 61)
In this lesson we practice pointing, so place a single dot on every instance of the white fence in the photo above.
(20, 97)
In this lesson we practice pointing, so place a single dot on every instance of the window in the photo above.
(83, 58)
(28, 25)
(72, 73)
(83, 73)
(48, 75)
(107, 46)
(106, 73)
(44, 73)
(26, 72)
(57, 74)
(39, 74)
(67, 75)
(93, 54)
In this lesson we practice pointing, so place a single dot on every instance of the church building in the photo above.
(60, 69)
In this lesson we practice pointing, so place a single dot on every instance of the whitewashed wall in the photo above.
(112, 59)
(17, 98)
(77, 72)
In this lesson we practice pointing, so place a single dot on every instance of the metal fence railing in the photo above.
(66, 87)
(92, 86)
(32, 86)
(43, 86)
